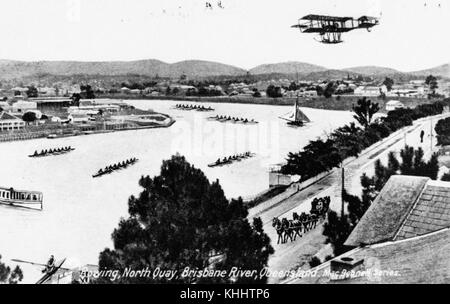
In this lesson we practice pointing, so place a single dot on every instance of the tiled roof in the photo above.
(6, 116)
(431, 213)
(383, 219)
(423, 259)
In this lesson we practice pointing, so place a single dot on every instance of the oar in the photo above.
(27, 262)
(35, 264)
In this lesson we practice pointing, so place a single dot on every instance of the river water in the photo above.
(80, 212)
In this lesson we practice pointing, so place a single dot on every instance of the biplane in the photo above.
(330, 28)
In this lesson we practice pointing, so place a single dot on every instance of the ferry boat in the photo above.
(21, 198)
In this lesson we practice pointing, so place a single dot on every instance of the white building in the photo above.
(9, 122)
(394, 104)
(78, 118)
(371, 91)
(24, 106)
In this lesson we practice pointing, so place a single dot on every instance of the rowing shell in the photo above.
(51, 154)
(114, 170)
(229, 162)
(48, 275)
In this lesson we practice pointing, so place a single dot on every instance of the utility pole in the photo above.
(431, 135)
(342, 192)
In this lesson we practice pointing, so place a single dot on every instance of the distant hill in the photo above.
(290, 67)
(329, 74)
(201, 68)
(194, 69)
(17, 69)
(372, 70)
(442, 70)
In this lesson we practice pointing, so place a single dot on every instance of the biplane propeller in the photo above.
(330, 28)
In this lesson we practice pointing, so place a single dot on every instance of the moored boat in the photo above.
(21, 198)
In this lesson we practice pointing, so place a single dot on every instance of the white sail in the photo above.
(301, 116)
(296, 116)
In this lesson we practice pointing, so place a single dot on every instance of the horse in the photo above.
(279, 228)
(288, 229)
(296, 227)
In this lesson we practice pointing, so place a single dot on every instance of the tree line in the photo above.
(322, 155)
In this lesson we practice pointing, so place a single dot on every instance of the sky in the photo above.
(412, 35)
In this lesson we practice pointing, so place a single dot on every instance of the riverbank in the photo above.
(338, 103)
(53, 133)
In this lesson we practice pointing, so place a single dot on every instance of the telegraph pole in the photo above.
(342, 191)
(431, 135)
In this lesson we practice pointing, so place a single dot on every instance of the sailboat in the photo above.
(296, 118)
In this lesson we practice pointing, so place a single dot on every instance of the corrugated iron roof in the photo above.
(383, 219)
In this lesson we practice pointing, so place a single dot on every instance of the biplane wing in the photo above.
(325, 18)
(330, 27)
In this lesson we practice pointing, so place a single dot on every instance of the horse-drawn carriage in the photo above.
(303, 222)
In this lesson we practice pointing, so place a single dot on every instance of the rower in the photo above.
(50, 265)
(218, 161)
(35, 153)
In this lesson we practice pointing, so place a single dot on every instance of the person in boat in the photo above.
(35, 153)
(100, 171)
(50, 265)
(218, 161)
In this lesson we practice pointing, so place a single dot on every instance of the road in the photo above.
(293, 255)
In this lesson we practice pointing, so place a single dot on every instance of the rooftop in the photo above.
(406, 232)
(422, 259)
(6, 116)
(385, 216)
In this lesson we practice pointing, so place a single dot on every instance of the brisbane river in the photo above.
(80, 212)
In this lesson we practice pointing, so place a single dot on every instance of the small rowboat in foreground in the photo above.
(50, 273)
